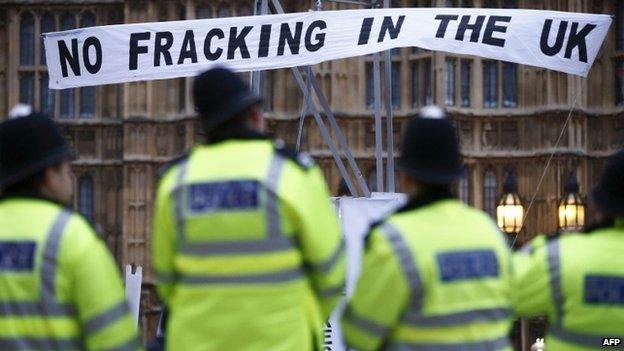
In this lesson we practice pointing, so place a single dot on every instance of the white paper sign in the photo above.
(562, 41)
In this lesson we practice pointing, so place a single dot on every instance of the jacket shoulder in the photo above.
(301, 159)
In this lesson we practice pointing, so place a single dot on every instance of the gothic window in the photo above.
(370, 85)
(415, 84)
(510, 84)
(427, 82)
(244, 10)
(465, 82)
(490, 4)
(490, 84)
(449, 82)
(464, 187)
(619, 25)
(619, 82)
(85, 200)
(27, 88)
(223, 11)
(396, 85)
(510, 4)
(490, 192)
(203, 11)
(27, 39)
(46, 95)
(47, 24)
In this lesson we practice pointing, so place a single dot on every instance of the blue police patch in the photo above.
(462, 265)
(607, 290)
(17, 256)
(230, 195)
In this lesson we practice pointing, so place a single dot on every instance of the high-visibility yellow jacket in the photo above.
(247, 249)
(59, 286)
(577, 281)
(435, 277)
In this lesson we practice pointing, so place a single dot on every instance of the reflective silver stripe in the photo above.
(132, 345)
(365, 324)
(408, 265)
(332, 291)
(162, 277)
(50, 258)
(274, 225)
(24, 309)
(270, 244)
(588, 340)
(327, 265)
(554, 268)
(270, 277)
(490, 315)
(178, 200)
(487, 345)
(106, 318)
(36, 344)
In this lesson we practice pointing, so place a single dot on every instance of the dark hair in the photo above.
(29, 187)
(231, 127)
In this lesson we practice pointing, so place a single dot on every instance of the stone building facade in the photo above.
(508, 116)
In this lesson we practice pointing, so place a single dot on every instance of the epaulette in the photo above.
(302, 159)
(167, 166)
(370, 231)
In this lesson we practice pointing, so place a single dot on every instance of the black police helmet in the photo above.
(220, 94)
(430, 149)
(28, 145)
(608, 195)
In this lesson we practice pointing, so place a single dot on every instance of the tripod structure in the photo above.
(310, 87)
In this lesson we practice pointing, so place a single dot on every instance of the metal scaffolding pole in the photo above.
(261, 7)
(389, 124)
(333, 123)
(378, 127)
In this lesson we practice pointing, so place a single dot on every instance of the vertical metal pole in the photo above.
(524, 334)
(378, 126)
(389, 126)
(261, 7)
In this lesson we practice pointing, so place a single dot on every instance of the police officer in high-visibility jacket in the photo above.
(577, 279)
(60, 288)
(247, 248)
(436, 274)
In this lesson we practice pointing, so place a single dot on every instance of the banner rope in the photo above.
(550, 158)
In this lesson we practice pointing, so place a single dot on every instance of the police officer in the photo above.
(577, 279)
(246, 247)
(59, 286)
(436, 274)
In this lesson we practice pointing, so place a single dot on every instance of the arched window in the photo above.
(490, 192)
(47, 25)
(223, 11)
(68, 108)
(27, 39)
(85, 199)
(203, 11)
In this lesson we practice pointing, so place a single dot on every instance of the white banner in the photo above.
(562, 41)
